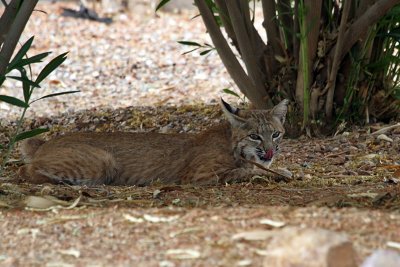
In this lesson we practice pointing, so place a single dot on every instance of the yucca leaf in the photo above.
(230, 92)
(51, 66)
(205, 52)
(190, 43)
(29, 134)
(31, 60)
(161, 4)
(13, 101)
(24, 79)
(56, 94)
(21, 53)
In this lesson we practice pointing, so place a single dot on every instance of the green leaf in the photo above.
(205, 52)
(161, 4)
(228, 91)
(24, 79)
(56, 94)
(21, 53)
(29, 134)
(1, 147)
(189, 43)
(25, 85)
(30, 60)
(13, 101)
(51, 66)
(187, 52)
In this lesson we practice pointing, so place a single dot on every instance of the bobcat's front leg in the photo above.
(235, 175)
(242, 175)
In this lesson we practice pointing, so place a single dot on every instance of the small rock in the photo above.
(353, 149)
(285, 172)
(385, 138)
(382, 257)
(306, 247)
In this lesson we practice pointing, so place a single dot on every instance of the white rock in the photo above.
(306, 247)
(382, 258)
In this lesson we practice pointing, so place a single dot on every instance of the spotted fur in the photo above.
(213, 156)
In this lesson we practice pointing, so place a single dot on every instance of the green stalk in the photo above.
(304, 63)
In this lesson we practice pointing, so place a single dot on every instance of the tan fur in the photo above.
(142, 158)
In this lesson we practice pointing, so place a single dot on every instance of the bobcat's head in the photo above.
(256, 133)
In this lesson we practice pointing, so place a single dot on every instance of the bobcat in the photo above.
(216, 155)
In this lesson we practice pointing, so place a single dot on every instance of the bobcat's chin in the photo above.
(265, 162)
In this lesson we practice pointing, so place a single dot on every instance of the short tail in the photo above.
(29, 148)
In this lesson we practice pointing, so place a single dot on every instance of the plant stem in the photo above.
(304, 63)
(11, 144)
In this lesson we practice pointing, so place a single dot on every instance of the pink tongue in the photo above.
(269, 154)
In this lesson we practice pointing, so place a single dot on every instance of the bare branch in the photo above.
(285, 16)
(229, 59)
(358, 28)
(313, 15)
(15, 32)
(244, 34)
(7, 18)
(4, 3)
(226, 21)
(271, 26)
(336, 60)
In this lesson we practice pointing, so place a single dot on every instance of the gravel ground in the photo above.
(348, 183)
(134, 61)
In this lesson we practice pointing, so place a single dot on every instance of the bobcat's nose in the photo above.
(269, 154)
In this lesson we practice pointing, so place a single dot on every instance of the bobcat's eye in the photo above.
(276, 134)
(255, 137)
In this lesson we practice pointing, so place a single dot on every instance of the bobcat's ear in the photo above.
(232, 114)
(280, 110)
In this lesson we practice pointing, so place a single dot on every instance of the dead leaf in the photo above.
(132, 219)
(275, 224)
(156, 219)
(392, 244)
(183, 254)
(256, 235)
(71, 252)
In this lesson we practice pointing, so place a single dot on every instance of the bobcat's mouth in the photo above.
(265, 156)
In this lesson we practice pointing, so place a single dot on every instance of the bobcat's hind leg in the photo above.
(75, 165)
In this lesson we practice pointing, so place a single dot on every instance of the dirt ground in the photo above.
(348, 183)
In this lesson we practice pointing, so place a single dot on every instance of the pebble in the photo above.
(101, 57)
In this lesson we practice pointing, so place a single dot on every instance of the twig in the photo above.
(335, 154)
(266, 169)
(385, 129)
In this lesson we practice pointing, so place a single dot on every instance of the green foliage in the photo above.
(20, 62)
(161, 4)
(206, 48)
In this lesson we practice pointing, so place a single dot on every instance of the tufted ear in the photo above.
(280, 110)
(232, 114)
